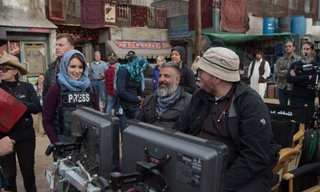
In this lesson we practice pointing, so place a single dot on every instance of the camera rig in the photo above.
(72, 169)
(310, 69)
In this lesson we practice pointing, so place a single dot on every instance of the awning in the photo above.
(230, 38)
(148, 49)
(26, 22)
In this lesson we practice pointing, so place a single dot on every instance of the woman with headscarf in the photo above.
(73, 88)
(187, 81)
(22, 131)
(129, 84)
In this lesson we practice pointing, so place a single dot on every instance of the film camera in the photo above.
(311, 69)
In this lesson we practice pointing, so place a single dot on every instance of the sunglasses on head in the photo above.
(4, 69)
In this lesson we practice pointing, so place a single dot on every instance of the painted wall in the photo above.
(23, 8)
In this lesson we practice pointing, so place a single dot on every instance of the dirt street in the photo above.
(42, 162)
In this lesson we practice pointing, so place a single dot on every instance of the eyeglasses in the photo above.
(198, 73)
(5, 69)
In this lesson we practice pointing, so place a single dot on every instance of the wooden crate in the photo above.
(271, 91)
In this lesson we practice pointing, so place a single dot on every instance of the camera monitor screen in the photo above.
(100, 140)
(172, 160)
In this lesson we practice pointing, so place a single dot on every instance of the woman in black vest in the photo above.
(72, 88)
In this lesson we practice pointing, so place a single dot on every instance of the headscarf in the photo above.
(65, 80)
(135, 68)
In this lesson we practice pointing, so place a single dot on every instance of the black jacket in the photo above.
(249, 126)
(23, 129)
(50, 76)
(302, 85)
(169, 116)
(187, 80)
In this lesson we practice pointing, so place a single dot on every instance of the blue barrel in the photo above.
(298, 25)
(269, 25)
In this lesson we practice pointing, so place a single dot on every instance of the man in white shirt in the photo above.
(259, 71)
(97, 69)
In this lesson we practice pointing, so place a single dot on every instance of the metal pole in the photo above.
(198, 28)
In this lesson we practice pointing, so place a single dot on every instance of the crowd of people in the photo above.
(207, 100)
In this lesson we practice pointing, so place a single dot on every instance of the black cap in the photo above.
(130, 53)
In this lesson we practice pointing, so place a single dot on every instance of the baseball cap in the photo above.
(130, 53)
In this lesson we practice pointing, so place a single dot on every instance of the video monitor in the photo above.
(168, 160)
(99, 135)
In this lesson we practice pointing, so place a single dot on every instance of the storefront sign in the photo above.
(142, 45)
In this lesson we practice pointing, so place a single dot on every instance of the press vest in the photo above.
(69, 100)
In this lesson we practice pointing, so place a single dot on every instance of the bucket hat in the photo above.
(8, 59)
(220, 62)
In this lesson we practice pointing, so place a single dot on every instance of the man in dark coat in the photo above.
(164, 107)
(227, 110)
(64, 43)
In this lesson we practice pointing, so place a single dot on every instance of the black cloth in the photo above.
(187, 80)
(24, 135)
(26, 94)
(303, 92)
(50, 76)
(253, 153)
(24, 151)
(127, 90)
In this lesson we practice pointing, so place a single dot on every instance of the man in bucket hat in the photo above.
(227, 110)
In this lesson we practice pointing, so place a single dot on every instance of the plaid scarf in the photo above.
(164, 102)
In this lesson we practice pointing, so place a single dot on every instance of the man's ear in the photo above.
(178, 79)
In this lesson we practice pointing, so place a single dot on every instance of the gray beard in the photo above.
(166, 91)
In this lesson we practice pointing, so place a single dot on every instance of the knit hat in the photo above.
(181, 51)
(8, 59)
(220, 62)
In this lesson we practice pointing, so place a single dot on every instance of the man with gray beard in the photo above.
(164, 107)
